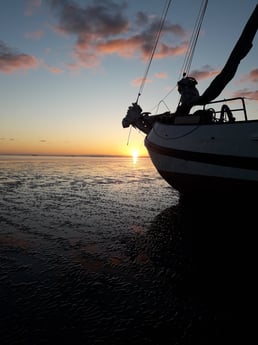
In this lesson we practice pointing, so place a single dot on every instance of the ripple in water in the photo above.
(99, 250)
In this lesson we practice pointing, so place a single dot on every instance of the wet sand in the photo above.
(183, 278)
(184, 275)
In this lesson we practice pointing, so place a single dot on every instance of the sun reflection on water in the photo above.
(135, 156)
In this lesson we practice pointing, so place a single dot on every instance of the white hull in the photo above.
(218, 156)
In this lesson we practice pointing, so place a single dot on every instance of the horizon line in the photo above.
(70, 155)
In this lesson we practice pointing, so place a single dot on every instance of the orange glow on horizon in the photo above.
(72, 141)
(19, 147)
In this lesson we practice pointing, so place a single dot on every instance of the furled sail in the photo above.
(241, 49)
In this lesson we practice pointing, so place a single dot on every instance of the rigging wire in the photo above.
(161, 25)
(191, 47)
(193, 41)
(190, 50)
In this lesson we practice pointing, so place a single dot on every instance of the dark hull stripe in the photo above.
(250, 163)
(187, 183)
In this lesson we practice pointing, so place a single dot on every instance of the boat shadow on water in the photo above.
(208, 245)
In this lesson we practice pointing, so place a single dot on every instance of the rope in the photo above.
(163, 99)
(162, 21)
(129, 136)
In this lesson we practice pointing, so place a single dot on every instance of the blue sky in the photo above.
(69, 69)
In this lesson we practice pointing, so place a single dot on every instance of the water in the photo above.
(98, 250)
(75, 197)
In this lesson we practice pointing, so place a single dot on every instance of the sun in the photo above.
(135, 155)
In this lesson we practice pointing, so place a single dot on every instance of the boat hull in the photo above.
(202, 158)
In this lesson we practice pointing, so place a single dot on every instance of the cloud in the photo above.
(166, 51)
(102, 28)
(129, 47)
(11, 61)
(142, 18)
(254, 75)
(247, 94)
(138, 81)
(83, 59)
(54, 70)
(251, 76)
(100, 20)
(34, 35)
(123, 47)
(204, 73)
(161, 75)
(144, 41)
(31, 5)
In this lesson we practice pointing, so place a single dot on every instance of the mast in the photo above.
(241, 49)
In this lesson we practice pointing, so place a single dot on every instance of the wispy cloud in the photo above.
(103, 28)
(123, 46)
(53, 69)
(252, 76)
(31, 6)
(246, 93)
(138, 81)
(161, 75)
(204, 73)
(11, 60)
(34, 35)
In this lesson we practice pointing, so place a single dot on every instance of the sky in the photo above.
(69, 69)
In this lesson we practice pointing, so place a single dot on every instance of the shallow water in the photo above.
(98, 250)
(66, 198)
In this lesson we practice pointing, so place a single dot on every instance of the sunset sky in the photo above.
(70, 68)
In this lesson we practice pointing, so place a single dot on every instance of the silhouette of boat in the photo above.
(214, 148)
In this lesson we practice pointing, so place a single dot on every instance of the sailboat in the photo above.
(215, 148)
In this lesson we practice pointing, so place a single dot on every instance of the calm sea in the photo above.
(95, 250)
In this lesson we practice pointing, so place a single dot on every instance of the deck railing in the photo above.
(242, 109)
